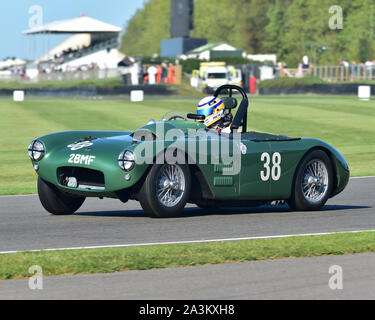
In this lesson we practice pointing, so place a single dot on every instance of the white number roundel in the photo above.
(79, 145)
(275, 171)
(265, 175)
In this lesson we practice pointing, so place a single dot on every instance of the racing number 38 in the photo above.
(271, 170)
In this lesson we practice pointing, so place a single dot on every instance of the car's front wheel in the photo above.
(55, 201)
(165, 190)
(313, 182)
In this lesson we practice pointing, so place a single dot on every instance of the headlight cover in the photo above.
(36, 150)
(126, 160)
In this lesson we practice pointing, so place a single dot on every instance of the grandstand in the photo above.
(92, 45)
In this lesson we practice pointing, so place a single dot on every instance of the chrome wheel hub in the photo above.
(170, 185)
(315, 180)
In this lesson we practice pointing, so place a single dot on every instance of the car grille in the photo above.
(86, 178)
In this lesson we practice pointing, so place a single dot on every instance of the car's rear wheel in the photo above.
(313, 182)
(165, 190)
(57, 202)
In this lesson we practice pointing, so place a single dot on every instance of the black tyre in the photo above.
(313, 182)
(165, 190)
(55, 201)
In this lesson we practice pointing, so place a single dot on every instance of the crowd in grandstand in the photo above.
(54, 66)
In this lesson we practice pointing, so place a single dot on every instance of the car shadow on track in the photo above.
(196, 212)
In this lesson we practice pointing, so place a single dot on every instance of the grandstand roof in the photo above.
(11, 62)
(81, 24)
(213, 46)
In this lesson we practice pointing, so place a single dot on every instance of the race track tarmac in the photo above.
(25, 225)
(302, 278)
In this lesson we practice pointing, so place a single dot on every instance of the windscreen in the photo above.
(216, 75)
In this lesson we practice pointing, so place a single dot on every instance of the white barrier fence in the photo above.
(342, 73)
(67, 76)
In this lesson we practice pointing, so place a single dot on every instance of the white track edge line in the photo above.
(362, 177)
(185, 242)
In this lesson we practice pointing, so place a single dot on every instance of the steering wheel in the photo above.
(176, 117)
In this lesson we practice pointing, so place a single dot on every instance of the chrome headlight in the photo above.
(126, 160)
(36, 150)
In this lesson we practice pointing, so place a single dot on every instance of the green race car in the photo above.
(166, 164)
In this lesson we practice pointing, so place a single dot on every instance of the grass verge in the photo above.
(70, 262)
(344, 122)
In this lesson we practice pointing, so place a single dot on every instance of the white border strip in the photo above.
(362, 177)
(186, 242)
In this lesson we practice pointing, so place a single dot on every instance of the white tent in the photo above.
(82, 24)
(8, 63)
(204, 52)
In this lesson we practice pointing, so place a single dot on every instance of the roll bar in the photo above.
(240, 119)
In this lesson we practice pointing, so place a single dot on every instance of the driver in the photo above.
(213, 109)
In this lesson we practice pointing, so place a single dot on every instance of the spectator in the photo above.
(164, 72)
(152, 72)
(171, 74)
(305, 65)
(354, 69)
(344, 63)
(300, 69)
(369, 65)
(134, 73)
(158, 74)
(145, 78)
(252, 84)
(140, 73)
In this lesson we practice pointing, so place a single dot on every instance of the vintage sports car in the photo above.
(178, 160)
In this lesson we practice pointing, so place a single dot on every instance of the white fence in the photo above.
(78, 75)
(67, 76)
(342, 73)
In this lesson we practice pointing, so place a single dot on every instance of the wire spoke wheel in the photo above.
(315, 181)
(166, 190)
(170, 185)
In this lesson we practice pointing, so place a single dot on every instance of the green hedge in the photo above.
(193, 64)
(288, 83)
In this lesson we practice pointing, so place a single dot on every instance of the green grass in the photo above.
(183, 89)
(344, 122)
(70, 262)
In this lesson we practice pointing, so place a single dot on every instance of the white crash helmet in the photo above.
(212, 108)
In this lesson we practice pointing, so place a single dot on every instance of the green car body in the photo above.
(245, 186)
(268, 163)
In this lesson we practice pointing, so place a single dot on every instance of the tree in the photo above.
(215, 20)
(290, 28)
(275, 29)
(147, 28)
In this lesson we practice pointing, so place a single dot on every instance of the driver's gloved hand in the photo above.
(226, 130)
